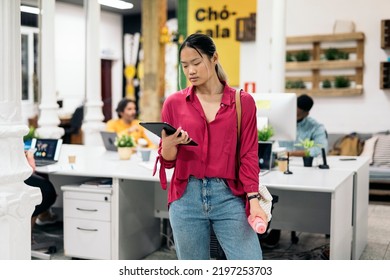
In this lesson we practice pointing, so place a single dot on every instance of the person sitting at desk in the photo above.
(41, 214)
(307, 127)
(127, 122)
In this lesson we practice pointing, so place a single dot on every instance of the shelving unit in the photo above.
(385, 44)
(385, 34)
(316, 66)
(385, 75)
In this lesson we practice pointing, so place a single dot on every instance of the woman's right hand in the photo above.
(169, 143)
(30, 159)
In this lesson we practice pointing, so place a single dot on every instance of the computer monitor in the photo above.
(279, 110)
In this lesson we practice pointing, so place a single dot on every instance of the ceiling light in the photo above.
(118, 4)
(30, 10)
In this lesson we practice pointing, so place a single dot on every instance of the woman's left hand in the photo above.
(256, 210)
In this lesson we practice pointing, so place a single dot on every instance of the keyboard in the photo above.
(263, 172)
(43, 162)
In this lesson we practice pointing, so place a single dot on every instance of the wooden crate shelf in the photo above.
(331, 92)
(324, 64)
(316, 65)
(385, 34)
(385, 75)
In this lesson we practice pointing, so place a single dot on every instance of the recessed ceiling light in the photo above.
(118, 4)
(30, 10)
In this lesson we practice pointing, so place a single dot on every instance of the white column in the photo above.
(48, 118)
(278, 49)
(17, 200)
(93, 113)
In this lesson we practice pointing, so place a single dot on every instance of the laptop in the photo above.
(265, 157)
(109, 140)
(47, 151)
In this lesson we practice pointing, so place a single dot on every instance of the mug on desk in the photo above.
(282, 164)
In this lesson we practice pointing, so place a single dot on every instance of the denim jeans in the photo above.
(210, 202)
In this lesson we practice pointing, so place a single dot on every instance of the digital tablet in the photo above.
(157, 127)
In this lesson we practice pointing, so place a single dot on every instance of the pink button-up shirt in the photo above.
(215, 155)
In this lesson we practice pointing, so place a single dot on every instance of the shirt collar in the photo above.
(226, 98)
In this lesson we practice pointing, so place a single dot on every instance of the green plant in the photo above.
(334, 54)
(303, 56)
(307, 144)
(326, 84)
(295, 84)
(331, 54)
(124, 141)
(265, 134)
(341, 82)
(289, 57)
(30, 135)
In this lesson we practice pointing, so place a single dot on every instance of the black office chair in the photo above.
(75, 125)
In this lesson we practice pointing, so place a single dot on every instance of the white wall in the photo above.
(70, 53)
(369, 112)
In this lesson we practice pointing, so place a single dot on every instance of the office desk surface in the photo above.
(95, 161)
(306, 179)
(330, 187)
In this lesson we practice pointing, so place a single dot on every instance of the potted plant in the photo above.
(341, 82)
(125, 144)
(265, 134)
(307, 144)
(326, 84)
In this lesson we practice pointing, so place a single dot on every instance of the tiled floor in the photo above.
(310, 246)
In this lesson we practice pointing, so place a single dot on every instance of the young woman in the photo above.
(205, 190)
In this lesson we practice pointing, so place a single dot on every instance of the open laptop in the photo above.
(109, 140)
(265, 157)
(47, 151)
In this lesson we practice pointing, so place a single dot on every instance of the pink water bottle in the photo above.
(258, 224)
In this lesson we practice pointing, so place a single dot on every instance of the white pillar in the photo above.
(93, 113)
(48, 118)
(278, 49)
(263, 45)
(17, 200)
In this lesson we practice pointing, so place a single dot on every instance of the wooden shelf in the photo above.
(341, 37)
(317, 65)
(385, 34)
(324, 64)
(385, 75)
(331, 92)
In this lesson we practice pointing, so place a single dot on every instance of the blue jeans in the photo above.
(207, 202)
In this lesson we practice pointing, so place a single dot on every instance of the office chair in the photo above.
(75, 125)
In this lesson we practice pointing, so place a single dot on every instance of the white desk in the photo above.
(317, 201)
(134, 229)
(360, 168)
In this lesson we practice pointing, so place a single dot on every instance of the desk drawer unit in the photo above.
(87, 222)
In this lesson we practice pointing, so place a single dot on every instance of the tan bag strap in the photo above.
(238, 109)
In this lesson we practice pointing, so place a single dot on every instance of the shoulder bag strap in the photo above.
(238, 110)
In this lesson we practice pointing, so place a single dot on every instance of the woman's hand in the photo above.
(256, 210)
(30, 159)
(169, 143)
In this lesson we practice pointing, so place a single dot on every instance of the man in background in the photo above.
(307, 128)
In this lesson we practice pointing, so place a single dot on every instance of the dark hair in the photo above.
(122, 105)
(204, 44)
(305, 102)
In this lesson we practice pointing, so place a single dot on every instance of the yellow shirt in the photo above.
(133, 129)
